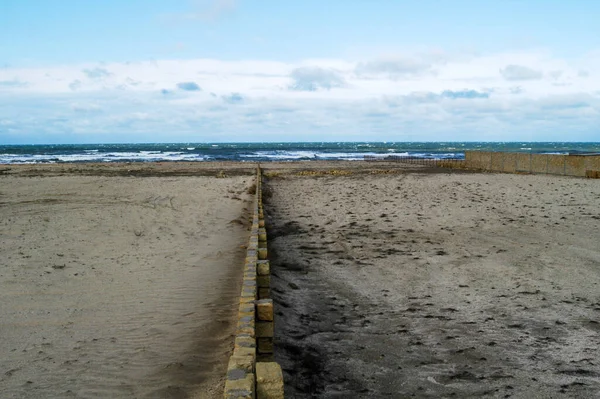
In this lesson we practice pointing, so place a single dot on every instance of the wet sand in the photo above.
(422, 283)
(115, 285)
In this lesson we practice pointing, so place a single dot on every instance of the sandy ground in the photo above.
(117, 286)
(436, 285)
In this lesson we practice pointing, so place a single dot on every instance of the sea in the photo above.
(266, 152)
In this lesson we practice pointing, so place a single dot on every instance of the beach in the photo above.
(389, 280)
(120, 280)
(429, 283)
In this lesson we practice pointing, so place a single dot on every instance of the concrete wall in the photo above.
(497, 162)
(575, 165)
(479, 159)
(251, 372)
(568, 165)
(539, 163)
(556, 164)
(524, 162)
(592, 163)
(510, 161)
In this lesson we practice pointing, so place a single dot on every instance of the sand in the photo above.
(389, 280)
(423, 283)
(115, 285)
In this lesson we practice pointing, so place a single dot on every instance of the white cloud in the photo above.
(394, 67)
(414, 97)
(97, 73)
(315, 78)
(188, 86)
(519, 72)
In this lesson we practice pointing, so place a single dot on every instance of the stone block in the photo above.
(247, 299)
(246, 308)
(249, 292)
(263, 281)
(239, 385)
(250, 265)
(251, 255)
(269, 381)
(264, 309)
(262, 253)
(244, 342)
(264, 293)
(263, 268)
(245, 352)
(240, 362)
(264, 345)
(262, 233)
(246, 315)
(246, 326)
(249, 282)
(246, 329)
(264, 329)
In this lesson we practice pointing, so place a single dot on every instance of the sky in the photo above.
(75, 71)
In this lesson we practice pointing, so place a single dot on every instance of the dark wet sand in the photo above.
(436, 284)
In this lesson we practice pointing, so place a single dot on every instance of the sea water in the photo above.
(265, 152)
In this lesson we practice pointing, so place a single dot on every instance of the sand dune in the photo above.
(118, 286)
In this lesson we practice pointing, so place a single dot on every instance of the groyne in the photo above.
(251, 372)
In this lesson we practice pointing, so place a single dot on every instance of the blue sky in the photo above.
(243, 70)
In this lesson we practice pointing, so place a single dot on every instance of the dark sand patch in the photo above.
(436, 285)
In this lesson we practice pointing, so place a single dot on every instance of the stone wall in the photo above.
(251, 372)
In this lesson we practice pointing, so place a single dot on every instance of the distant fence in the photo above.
(510, 162)
(551, 164)
(443, 163)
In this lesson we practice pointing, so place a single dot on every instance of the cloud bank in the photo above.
(414, 97)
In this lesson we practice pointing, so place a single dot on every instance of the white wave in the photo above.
(292, 155)
(100, 157)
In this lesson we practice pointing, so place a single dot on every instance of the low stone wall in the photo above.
(515, 162)
(251, 372)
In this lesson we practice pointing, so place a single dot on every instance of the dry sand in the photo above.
(118, 287)
(433, 284)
